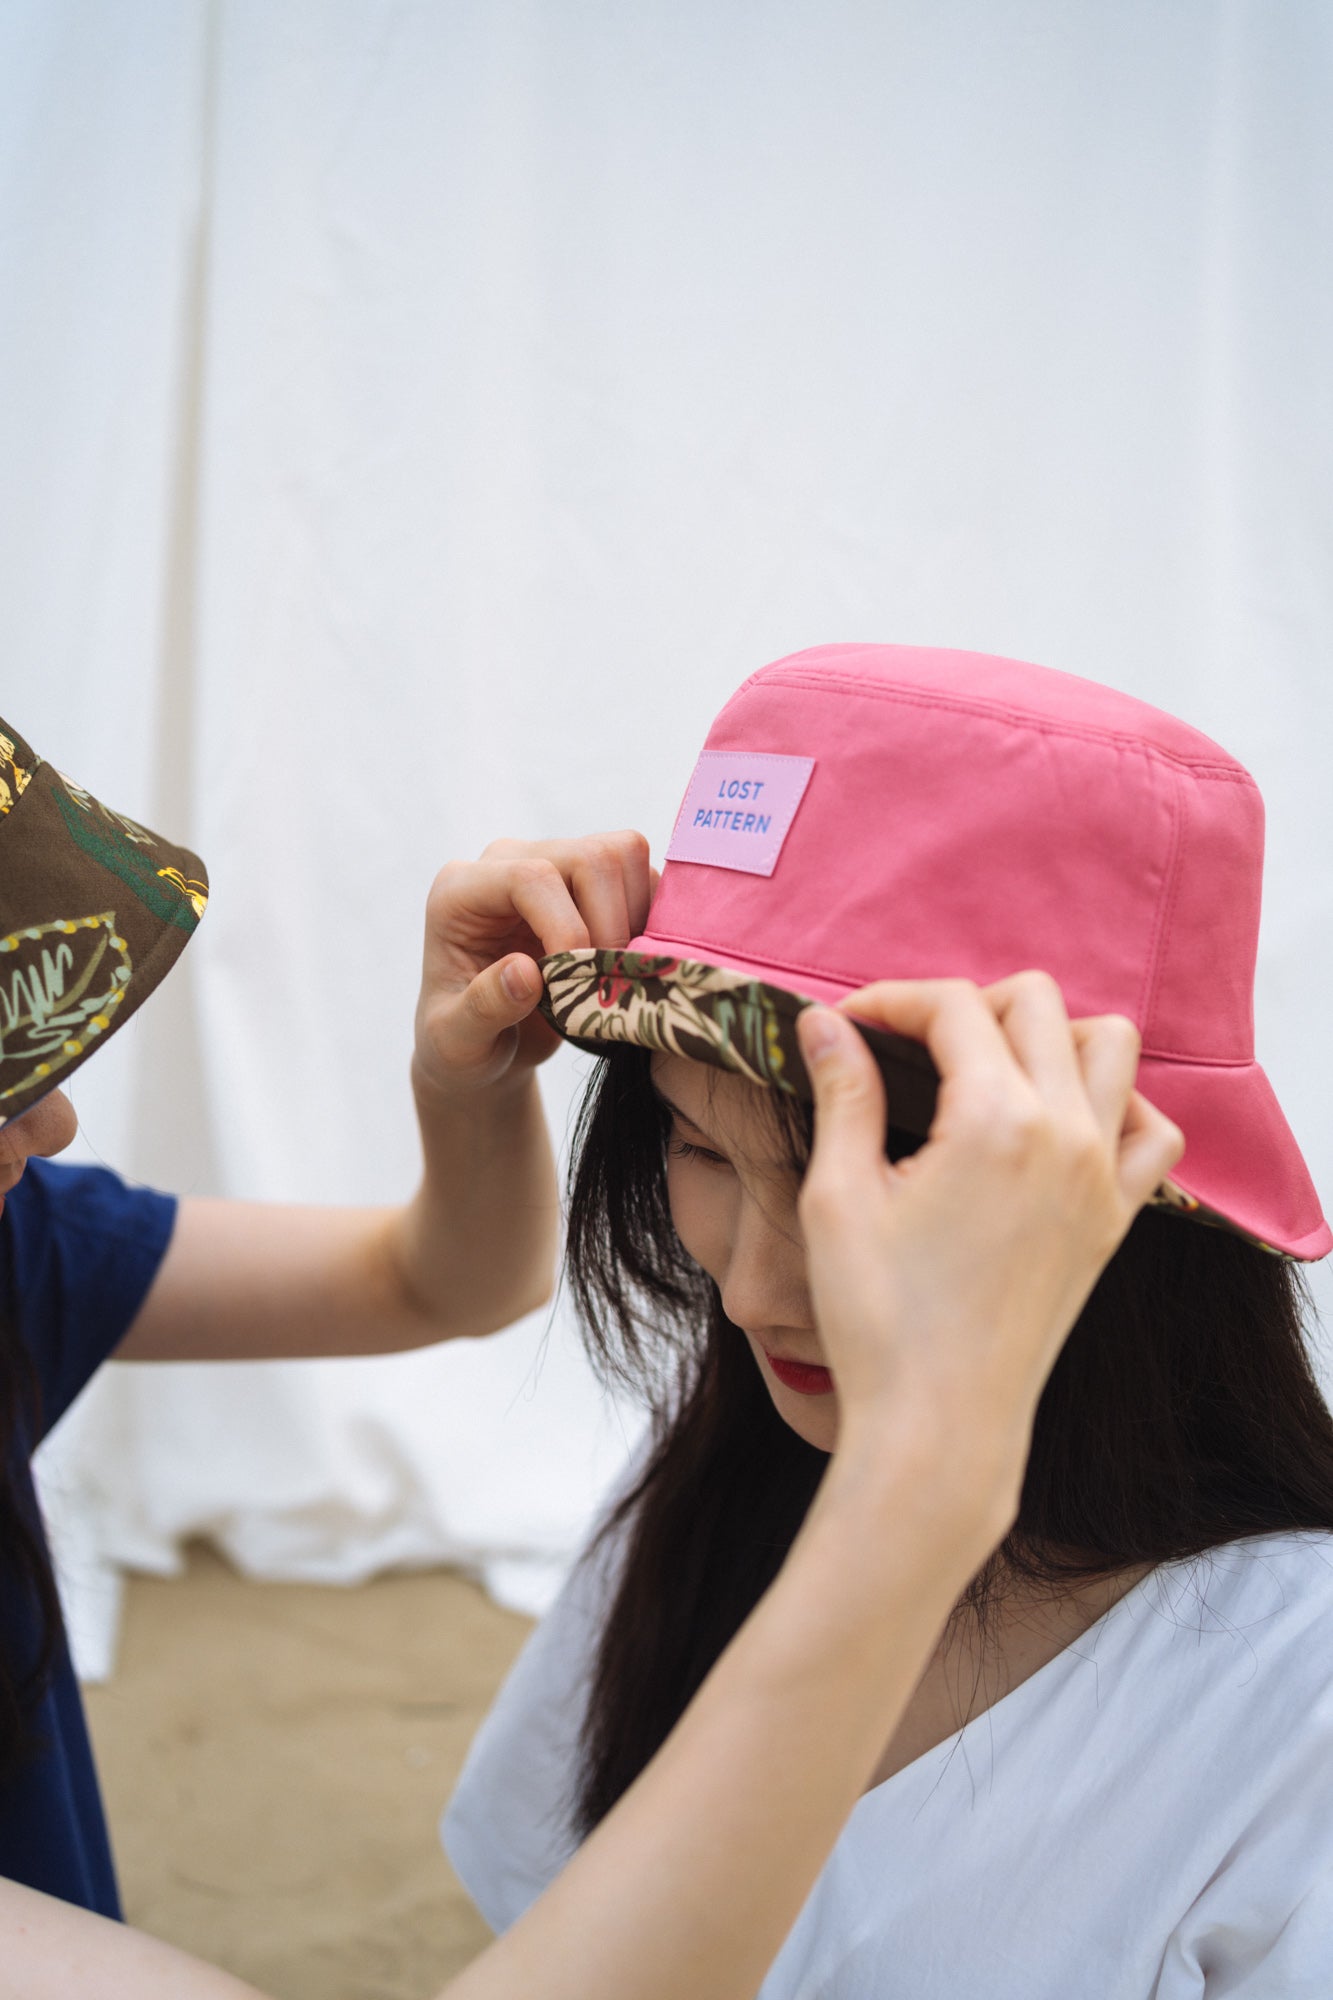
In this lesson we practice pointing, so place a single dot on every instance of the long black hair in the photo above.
(30, 1620)
(1183, 1413)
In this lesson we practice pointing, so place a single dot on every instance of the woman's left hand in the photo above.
(945, 1284)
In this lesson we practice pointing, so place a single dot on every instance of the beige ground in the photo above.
(275, 1758)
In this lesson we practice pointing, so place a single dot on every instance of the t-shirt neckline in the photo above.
(1058, 1668)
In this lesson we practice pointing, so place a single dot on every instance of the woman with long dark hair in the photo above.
(690, 1881)
(692, 1877)
(1113, 1774)
(697, 1871)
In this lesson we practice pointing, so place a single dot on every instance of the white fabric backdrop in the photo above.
(417, 418)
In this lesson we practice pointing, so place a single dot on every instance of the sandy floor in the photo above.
(275, 1758)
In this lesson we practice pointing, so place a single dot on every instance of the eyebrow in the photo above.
(672, 1106)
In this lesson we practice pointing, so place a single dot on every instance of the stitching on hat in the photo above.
(37, 764)
(778, 964)
(1233, 774)
(1166, 904)
(698, 947)
(1189, 1061)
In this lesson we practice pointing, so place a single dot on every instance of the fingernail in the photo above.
(819, 1031)
(516, 982)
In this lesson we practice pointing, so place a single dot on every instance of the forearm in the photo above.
(476, 1246)
(696, 1876)
(692, 1882)
(49, 1951)
(473, 1250)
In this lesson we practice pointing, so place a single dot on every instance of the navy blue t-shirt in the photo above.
(78, 1252)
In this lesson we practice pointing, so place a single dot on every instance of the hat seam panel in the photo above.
(1184, 1060)
(37, 765)
(696, 947)
(1166, 905)
(1233, 774)
(20, 742)
(779, 965)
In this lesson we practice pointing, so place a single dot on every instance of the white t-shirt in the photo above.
(1148, 1817)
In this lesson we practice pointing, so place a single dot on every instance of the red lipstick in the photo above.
(802, 1376)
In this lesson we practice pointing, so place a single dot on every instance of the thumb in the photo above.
(496, 1000)
(851, 1109)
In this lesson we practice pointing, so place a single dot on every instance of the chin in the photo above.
(814, 1418)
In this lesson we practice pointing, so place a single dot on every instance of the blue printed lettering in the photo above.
(727, 819)
(740, 788)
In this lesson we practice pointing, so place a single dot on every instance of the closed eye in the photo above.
(681, 1149)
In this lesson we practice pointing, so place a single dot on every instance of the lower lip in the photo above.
(802, 1377)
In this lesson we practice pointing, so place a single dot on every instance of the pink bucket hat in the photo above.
(874, 812)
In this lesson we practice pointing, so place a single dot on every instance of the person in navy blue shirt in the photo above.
(78, 1252)
(94, 911)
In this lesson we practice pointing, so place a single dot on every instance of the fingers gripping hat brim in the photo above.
(724, 1015)
(737, 1020)
(94, 911)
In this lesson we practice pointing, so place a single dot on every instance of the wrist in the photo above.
(947, 1483)
(439, 1097)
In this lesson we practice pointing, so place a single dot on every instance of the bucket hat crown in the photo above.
(866, 812)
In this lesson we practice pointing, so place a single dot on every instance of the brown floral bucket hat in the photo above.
(94, 912)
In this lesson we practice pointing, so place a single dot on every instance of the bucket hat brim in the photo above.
(735, 1016)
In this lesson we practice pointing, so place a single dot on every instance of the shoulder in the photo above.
(1250, 1758)
(79, 1248)
(1274, 1588)
(1240, 1637)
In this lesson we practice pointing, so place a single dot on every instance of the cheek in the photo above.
(702, 1201)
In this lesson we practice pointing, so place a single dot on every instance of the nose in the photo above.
(39, 1133)
(764, 1286)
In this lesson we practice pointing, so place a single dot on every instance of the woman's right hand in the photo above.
(945, 1285)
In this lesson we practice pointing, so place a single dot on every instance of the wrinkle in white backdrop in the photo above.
(418, 419)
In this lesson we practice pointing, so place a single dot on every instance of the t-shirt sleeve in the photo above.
(79, 1249)
(508, 1827)
(1298, 1964)
(1263, 1926)
(1292, 1956)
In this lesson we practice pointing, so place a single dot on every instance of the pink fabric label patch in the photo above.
(739, 809)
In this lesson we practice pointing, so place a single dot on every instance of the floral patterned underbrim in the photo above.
(715, 1015)
(1170, 1196)
(710, 1013)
